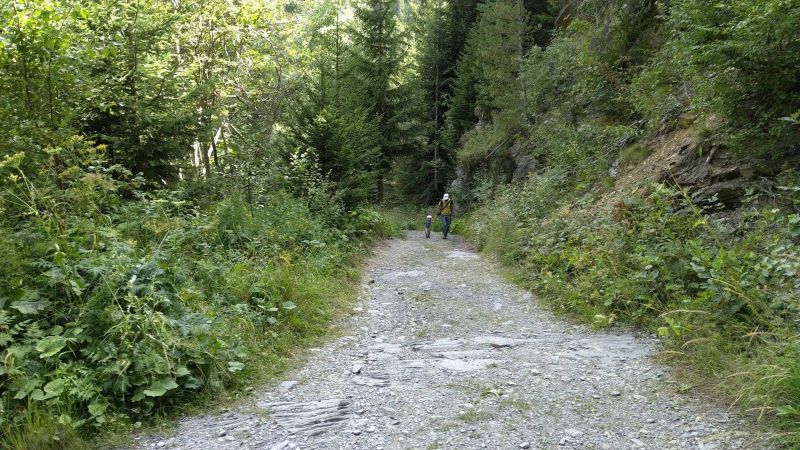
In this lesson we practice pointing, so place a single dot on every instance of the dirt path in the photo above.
(441, 352)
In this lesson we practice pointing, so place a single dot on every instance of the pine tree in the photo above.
(377, 56)
(440, 38)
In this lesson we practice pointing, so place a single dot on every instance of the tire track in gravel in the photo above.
(441, 352)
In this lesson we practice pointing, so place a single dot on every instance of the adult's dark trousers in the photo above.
(446, 224)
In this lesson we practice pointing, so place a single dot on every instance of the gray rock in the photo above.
(375, 380)
(287, 386)
(448, 349)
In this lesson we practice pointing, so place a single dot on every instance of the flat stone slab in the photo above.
(310, 418)
(462, 255)
(386, 347)
(375, 380)
(498, 341)
(394, 276)
(461, 354)
(439, 345)
(465, 365)
(287, 386)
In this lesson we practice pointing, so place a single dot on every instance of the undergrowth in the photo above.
(720, 288)
(119, 301)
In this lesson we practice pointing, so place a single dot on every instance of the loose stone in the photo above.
(438, 332)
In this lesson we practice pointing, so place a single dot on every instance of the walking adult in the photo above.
(445, 210)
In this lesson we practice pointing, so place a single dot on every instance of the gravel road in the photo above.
(441, 352)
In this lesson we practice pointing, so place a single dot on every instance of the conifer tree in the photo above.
(377, 47)
(440, 39)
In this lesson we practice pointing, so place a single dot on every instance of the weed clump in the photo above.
(721, 290)
(119, 301)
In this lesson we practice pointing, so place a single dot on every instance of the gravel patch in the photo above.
(441, 352)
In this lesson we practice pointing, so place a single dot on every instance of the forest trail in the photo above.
(441, 352)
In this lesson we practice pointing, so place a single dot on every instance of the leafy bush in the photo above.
(736, 61)
(720, 290)
(118, 302)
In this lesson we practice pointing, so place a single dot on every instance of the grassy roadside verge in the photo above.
(121, 305)
(267, 309)
(720, 288)
(281, 350)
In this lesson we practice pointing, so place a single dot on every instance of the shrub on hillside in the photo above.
(721, 290)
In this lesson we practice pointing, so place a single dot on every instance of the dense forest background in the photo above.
(186, 185)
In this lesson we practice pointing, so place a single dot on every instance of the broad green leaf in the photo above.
(50, 345)
(235, 366)
(289, 306)
(182, 371)
(30, 306)
(51, 389)
(98, 407)
(55, 387)
(192, 383)
(27, 388)
(138, 395)
(160, 387)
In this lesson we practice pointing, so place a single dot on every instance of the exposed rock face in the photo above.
(715, 174)
(525, 165)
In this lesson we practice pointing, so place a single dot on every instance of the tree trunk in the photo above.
(214, 152)
(224, 139)
(206, 162)
(338, 52)
(436, 134)
(521, 61)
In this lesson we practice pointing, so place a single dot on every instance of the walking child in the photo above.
(428, 224)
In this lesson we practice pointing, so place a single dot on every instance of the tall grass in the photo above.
(720, 289)
(115, 308)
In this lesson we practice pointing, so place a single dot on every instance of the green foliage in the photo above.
(112, 309)
(721, 291)
(440, 35)
(480, 144)
(377, 47)
(347, 147)
(495, 51)
(634, 155)
(165, 85)
(740, 59)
